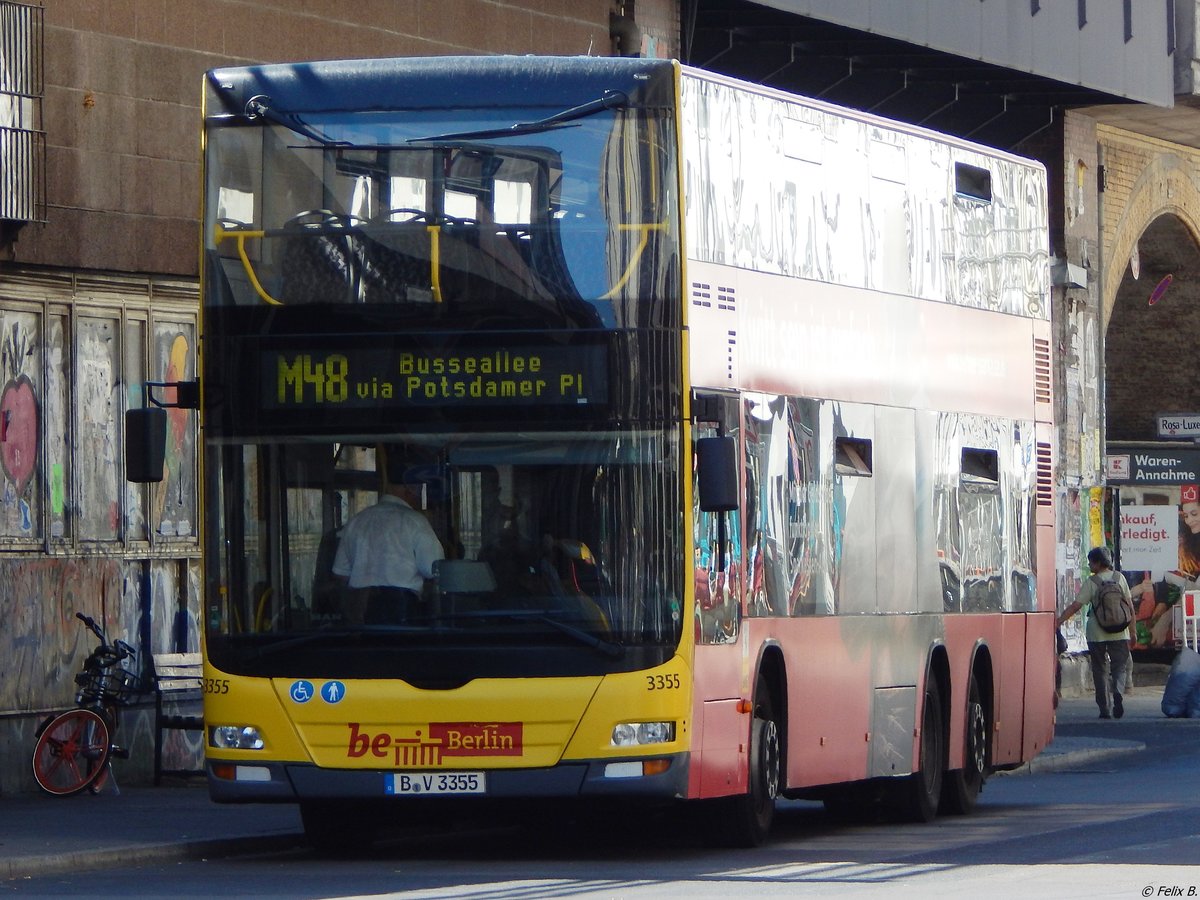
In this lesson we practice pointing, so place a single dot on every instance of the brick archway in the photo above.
(1152, 321)
(1146, 179)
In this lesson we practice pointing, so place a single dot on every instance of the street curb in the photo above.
(37, 866)
(1056, 762)
(34, 866)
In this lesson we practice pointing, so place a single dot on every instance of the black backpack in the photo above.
(1111, 607)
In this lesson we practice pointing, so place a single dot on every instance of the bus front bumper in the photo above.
(271, 782)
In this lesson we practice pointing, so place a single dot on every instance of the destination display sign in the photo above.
(517, 375)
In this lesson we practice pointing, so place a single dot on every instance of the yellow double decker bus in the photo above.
(758, 507)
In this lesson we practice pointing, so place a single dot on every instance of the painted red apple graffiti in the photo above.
(19, 431)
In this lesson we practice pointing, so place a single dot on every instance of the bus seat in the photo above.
(318, 264)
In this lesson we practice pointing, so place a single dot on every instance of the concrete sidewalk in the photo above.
(42, 835)
(1075, 742)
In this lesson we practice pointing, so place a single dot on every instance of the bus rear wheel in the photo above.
(919, 794)
(961, 789)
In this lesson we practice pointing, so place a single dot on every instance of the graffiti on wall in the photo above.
(20, 414)
(55, 412)
(42, 643)
(18, 431)
(182, 750)
(174, 622)
(174, 496)
(99, 400)
(64, 382)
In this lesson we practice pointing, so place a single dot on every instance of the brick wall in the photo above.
(658, 22)
(123, 86)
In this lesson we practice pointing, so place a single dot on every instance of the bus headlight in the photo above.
(636, 734)
(235, 737)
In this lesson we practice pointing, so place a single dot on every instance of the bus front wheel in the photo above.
(745, 820)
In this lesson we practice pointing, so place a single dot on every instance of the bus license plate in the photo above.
(412, 783)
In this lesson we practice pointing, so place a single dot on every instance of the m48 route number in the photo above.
(662, 682)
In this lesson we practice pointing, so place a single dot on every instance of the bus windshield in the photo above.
(537, 530)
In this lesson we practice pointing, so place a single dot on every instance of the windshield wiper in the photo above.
(259, 107)
(608, 648)
(610, 100)
(311, 637)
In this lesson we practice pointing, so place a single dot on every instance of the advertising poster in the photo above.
(1150, 538)
(1158, 484)
(1159, 555)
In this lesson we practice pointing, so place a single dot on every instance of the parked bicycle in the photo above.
(74, 748)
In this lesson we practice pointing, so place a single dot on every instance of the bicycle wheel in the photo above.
(100, 779)
(104, 769)
(71, 751)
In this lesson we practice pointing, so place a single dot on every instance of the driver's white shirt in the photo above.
(389, 544)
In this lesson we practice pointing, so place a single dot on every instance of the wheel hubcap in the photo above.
(977, 737)
(770, 759)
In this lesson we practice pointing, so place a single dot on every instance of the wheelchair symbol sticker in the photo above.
(301, 691)
(333, 691)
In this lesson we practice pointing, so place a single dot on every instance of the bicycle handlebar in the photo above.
(119, 649)
(91, 624)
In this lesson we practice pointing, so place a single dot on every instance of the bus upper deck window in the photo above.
(853, 457)
(980, 466)
(972, 182)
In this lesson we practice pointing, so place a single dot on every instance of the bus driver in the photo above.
(386, 552)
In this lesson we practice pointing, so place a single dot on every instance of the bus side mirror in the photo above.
(145, 444)
(716, 465)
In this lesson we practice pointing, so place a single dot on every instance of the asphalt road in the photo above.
(1102, 824)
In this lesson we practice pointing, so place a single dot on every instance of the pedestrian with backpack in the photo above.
(1110, 628)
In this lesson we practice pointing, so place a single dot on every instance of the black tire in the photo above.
(336, 829)
(103, 769)
(71, 750)
(745, 820)
(920, 793)
(960, 792)
(97, 784)
(100, 774)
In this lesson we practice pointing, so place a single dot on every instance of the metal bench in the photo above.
(177, 679)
